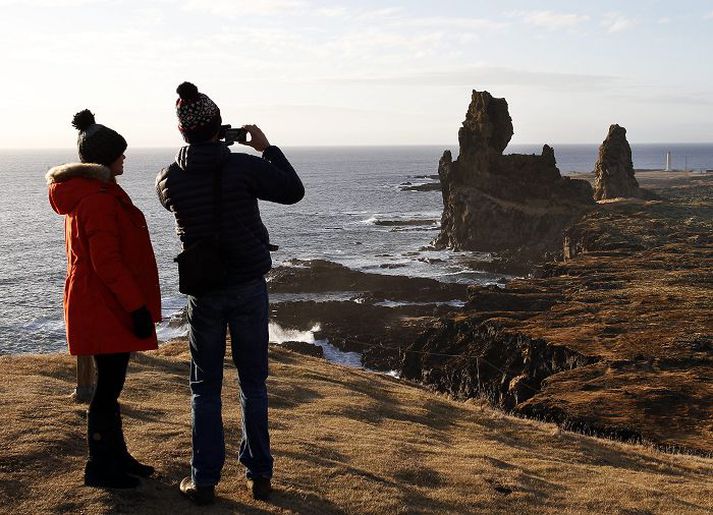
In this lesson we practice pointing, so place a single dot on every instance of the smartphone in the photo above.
(231, 135)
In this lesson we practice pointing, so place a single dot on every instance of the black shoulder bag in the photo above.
(202, 267)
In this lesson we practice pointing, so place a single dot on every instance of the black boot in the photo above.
(130, 464)
(104, 469)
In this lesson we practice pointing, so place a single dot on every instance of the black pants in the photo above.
(111, 373)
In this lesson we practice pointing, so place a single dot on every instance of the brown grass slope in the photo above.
(639, 296)
(345, 441)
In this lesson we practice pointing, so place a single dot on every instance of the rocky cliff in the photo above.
(495, 202)
(617, 339)
(614, 171)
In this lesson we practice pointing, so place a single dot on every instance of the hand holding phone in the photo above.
(257, 140)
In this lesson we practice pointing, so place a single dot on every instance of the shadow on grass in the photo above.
(161, 495)
(383, 405)
(409, 493)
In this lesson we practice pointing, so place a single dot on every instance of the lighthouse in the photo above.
(668, 161)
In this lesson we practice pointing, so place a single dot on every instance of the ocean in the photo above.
(353, 214)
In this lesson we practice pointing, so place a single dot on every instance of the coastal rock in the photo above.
(374, 330)
(308, 349)
(614, 171)
(320, 276)
(429, 186)
(496, 202)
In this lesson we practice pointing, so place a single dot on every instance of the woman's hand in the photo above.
(143, 324)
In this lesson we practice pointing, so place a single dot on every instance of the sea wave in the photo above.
(401, 218)
(281, 335)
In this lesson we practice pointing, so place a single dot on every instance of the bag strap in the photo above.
(218, 202)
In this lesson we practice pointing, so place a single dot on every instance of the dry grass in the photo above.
(639, 298)
(344, 441)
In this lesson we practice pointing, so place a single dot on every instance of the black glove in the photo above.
(143, 323)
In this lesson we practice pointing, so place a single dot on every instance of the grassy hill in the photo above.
(344, 441)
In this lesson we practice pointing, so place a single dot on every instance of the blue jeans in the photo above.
(244, 310)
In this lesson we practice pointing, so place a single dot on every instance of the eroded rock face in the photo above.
(494, 202)
(614, 171)
(467, 359)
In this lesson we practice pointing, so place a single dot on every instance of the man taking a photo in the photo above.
(224, 208)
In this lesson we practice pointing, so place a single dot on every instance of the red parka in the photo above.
(111, 268)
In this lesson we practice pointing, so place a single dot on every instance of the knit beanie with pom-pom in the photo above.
(198, 116)
(97, 143)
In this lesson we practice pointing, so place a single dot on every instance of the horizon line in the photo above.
(382, 145)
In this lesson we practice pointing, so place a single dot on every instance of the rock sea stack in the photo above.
(496, 202)
(614, 171)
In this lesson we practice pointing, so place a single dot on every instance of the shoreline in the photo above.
(47, 325)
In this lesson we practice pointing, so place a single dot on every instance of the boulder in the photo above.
(614, 171)
(306, 348)
(496, 202)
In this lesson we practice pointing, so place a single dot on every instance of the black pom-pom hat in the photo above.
(97, 143)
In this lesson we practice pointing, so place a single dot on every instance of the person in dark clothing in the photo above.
(240, 303)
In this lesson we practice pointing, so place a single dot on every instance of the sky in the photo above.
(313, 73)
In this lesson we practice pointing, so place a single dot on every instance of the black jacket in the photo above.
(186, 189)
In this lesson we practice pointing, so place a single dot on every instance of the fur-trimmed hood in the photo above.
(68, 171)
(72, 182)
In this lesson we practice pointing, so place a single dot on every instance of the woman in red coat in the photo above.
(111, 295)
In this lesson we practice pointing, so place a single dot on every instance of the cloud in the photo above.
(48, 3)
(487, 76)
(363, 15)
(244, 7)
(394, 17)
(708, 16)
(333, 12)
(669, 99)
(376, 14)
(550, 19)
(615, 22)
(448, 22)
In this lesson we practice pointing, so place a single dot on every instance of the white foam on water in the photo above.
(398, 304)
(333, 354)
(280, 335)
(44, 325)
(166, 331)
(399, 216)
(333, 296)
(294, 263)
(369, 221)
(415, 183)
(174, 323)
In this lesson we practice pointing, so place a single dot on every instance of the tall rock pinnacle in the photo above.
(494, 202)
(614, 171)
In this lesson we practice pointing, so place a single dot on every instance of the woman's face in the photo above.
(117, 167)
